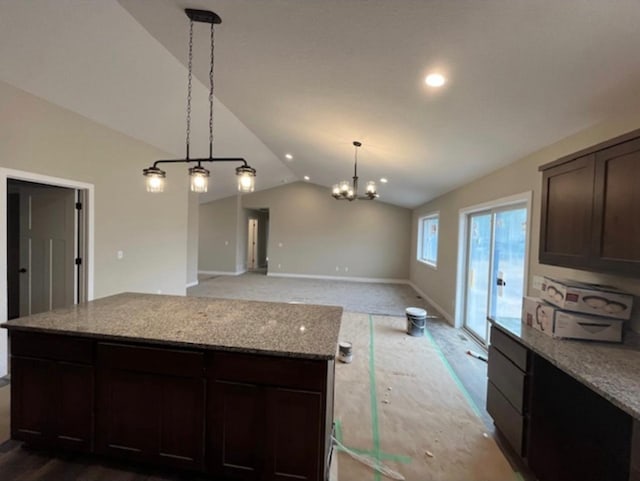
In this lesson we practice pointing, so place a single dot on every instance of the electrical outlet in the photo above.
(537, 283)
(120, 255)
(346, 269)
(337, 269)
(279, 266)
(226, 243)
(279, 244)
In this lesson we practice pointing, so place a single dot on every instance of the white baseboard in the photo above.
(221, 273)
(192, 284)
(438, 307)
(377, 280)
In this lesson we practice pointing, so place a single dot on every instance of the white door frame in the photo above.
(464, 213)
(5, 175)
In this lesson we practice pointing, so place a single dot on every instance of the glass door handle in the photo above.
(500, 282)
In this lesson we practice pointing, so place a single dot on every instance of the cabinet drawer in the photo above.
(267, 370)
(509, 380)
(513, 350)
(506, 418)
(51, 346)
(169, 362)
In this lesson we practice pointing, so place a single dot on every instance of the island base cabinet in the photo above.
(52, 391)
(266, 417)
(148, 416)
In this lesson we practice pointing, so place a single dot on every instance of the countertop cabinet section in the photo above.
(150, 404)
(265, 417)
(590, 207)
(52, 385)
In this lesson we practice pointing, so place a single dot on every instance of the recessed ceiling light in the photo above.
(289, 156)
(384, 180)
(306, 177)
(435, 80)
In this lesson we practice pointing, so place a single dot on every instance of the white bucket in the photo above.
(416, 321)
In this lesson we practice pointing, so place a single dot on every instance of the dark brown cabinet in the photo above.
(236, 416)
(590, 207)
(52, 391)
(507, 389)
(150, 404)
(266, 421)
(574, 432)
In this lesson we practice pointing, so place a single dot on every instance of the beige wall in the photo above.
(39, 137)
(521, 176)
(218, 235)
(310, 233)
(193, 223)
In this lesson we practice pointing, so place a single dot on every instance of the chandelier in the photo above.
(349, 191)
(155, 176)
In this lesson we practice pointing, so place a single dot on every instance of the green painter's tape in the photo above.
(453, 375)
(374, 400)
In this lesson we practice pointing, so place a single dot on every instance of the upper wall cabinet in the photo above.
(591, 208)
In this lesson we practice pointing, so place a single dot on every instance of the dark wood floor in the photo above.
(20, 463)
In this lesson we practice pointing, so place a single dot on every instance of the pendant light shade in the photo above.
(155, 179)
(199, 176)
(246, 178)
(199, 179)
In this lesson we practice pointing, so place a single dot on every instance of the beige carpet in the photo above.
(4, 413)
(369, 297)
(411, 414)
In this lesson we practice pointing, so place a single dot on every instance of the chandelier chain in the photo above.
(188, 141)
(211, 98)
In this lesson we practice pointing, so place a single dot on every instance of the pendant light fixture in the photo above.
(155, 176)
(349, 191)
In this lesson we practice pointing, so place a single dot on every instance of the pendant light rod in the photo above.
(245, 174)
(205, 159)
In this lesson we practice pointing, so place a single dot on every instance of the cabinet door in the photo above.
(73, 404)
(32, 392)
(235, 429)
(128, 409)
(294, 427)
(566, 217)
(181, 426)
(616, 240)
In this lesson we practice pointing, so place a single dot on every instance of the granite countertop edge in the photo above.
(174, 343)
(632, 410)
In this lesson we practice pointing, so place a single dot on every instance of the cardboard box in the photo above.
(569, 325)
(587, 298)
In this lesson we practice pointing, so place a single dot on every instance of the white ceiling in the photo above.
(309, 77)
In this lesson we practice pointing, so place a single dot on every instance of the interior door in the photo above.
(47, 248)
(496, 252)
(252, 245)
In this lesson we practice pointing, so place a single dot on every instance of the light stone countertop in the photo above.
(611, 370)
(279, 329)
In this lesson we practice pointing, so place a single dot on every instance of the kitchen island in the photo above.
(237, 389)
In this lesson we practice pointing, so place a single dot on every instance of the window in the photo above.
(428, 240)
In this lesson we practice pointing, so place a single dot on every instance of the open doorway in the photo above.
(257, 241)
(47, 248)
(492, 269)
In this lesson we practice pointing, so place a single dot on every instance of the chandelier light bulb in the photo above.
(344, 187)
(371, 187)
(154, 179)
(199, 179)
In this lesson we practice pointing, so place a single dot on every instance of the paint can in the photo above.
(345, 352)
(416, 321)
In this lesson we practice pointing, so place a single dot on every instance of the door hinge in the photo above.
(78, 261)
(78, 205)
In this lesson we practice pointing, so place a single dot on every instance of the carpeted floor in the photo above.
(372, 298)
(400, 403)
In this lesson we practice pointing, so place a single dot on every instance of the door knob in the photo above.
(23, 271)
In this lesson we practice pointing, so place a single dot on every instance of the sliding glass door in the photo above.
(495, 254)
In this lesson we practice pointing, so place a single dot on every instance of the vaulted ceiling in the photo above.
(307, 77)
